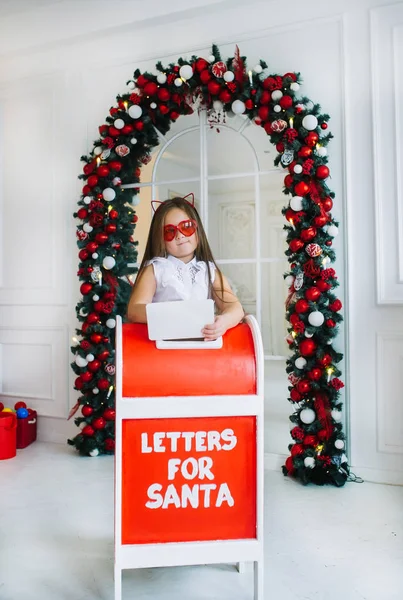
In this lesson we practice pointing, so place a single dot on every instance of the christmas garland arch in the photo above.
(106, 217)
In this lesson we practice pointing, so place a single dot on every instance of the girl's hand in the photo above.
(218, 328)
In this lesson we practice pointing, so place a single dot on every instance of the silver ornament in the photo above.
(299, 281)
(287, 157)
(95, 275)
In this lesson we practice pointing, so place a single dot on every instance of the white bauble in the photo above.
(339, 444)
(135, 111)
(300, 362)
(229, 76)
(178, 82)
(111, 323)
(331, 230)
(289, 279)
(218, 105)
(316, 318)
(131, 85)
(211, 58)
(87, 228)
(310, 122)
(98, 150)
(89, 357)
(133, 141)
(153, 105)
(296, 203)
(336, 415)
(186, 72)
(258, 68)
(277, 108)
(95, 391)
(119, 123)
(83, 312)
(109, 194)
(238, 107)
(135, 200)
(321, 151)
(276, 95)
(109, 262)
(95, 256)
(95, 296)
(80, 361)
(307, 416)
(308, 335)
(309, 462)
(294, 86)
(297, 169)
(161, 78)
(94, 452)
(87, 199)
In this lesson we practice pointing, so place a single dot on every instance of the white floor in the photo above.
(56, 528)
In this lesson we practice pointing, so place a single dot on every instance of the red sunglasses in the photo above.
(186, 228)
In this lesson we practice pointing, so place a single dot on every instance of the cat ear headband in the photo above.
(156, 203)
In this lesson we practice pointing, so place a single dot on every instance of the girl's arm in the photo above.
(143, 293)
(231, 311)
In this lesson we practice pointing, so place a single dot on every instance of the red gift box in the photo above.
(26, 430)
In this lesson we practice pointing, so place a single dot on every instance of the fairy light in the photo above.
(100, 278)
(319, 448)
(329, 372)
(291, 123)
(294, 335)
(250, 78)
(74, 341)
(109, 391)
(98, 161)
(292, 224)
(125, 104)
(109, 208)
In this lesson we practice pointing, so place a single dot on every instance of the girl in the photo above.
(178, 265)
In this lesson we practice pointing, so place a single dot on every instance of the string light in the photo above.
(98, 161)
(125, 104)
(291, 122)
(250, 78)
(319, 448)
(329, 371)
(109, 391)
(292, 224)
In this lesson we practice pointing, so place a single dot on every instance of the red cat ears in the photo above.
(156, 203)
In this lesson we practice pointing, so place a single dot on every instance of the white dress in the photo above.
(177, 280)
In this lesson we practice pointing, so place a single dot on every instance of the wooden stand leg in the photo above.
(118, 583)
(258, 580)
(241, 566)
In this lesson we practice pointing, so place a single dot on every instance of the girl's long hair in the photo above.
(155, 242)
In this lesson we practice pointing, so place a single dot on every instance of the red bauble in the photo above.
(163, 94)
(295, 395)
(103, 384)
(139, 125)
(101, 238)
(17, 405)
(115, 165)
(289, 465)
(205, 76)
(85, 288)
(113, 214)
(296, 245)
(88, 169)
(288, 181)
(83, 254)
(103, 171)
(310, 440)
(82, 213)
(94, 365)
(285, 102)
(127, 129)
(324, 125)
(322, 172)
(87, 410)
(297, 449)
(141, 81)
(105, 340)
(301, 306)
(303, 386)
(78, 383)
(311, 139)
(308, 234)
(92, 180)
(201, 64)
(330, 323)
(268, 129)
(96, 338)
(164, 109)
(103, 355)
(320, 220)
(263, 112)
(265, 97)
(174, 115)
(110, 228)
(323, 434)
(323, 286)
(327, 204)
(92, 318)
(280, 147)
(84, 327)
(135, 219)
(150, 88)
(109, 444)
(86, 190)
(325, 361)
(99, 423)
(307, 347)
(99, 306)
(110, 414)
(88, 431)
(291, 76)
(91, 247)
(301, 189)
(213, 87)
(315, 374)
(313, 294)
(305, 152)
(328, 242)
(86, 376)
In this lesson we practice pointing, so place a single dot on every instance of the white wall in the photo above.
(62, 64)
